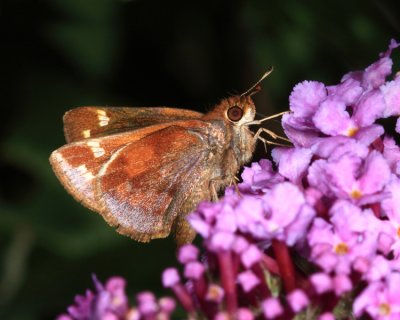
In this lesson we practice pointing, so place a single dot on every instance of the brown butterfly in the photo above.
(145, 169)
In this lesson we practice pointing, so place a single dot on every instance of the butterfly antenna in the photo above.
(255, 87)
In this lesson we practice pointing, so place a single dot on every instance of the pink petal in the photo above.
(369, 108)
(305, 98)
(248, 280)
(284, 202)
(293, 162)
(376, 173)
(367, 135)
(348, 91)
(391, 96)
(300, 131)
(342, 284)
(298, 300)
(333, 119)
(321, 282)
(272, 308)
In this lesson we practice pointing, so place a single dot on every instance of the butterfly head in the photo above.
(235, 111)
(238, 110)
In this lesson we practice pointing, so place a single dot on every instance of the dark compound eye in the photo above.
(235, 113)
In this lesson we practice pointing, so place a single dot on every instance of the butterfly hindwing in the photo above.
(93, 122)
(141, 187)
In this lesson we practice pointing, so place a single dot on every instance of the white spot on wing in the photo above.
(96, 149)
(103, 119)
(88, 176)
(58, 156)
(94, 143)
(86, 133)
(98, 152)
(83, 171)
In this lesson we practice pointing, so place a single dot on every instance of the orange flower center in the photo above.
(384, 309)
(341, 248)
(356, 194)
(214, 292)
(351, 132)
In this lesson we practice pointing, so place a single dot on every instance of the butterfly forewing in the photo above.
(93, 122)
(77, 164)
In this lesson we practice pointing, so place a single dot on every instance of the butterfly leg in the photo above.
(272, 134)
(213, 191)
(257, 136)
(258, 122)
(234, 182)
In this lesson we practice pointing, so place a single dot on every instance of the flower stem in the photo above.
(270, 264)
(285, 264)
(184, 297)
(228, 280)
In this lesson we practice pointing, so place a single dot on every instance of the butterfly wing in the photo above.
(144, 185)
(140, 184)
(94, 122)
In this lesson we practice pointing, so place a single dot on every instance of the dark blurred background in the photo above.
(58, 54)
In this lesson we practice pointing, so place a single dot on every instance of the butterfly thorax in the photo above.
(244, 144)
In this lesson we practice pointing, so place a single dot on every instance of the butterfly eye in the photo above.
(235, 113)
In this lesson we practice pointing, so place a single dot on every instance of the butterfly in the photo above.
(144, 169)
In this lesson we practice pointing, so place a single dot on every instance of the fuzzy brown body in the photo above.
(145, 169)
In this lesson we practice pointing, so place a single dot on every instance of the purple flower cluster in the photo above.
(333, 203)
(110, 302)
(319, 236)
(107, 302)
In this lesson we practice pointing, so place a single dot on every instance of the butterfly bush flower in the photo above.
(314, 234)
